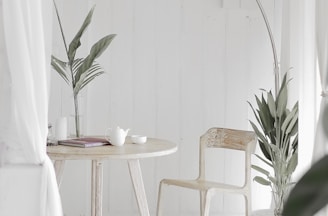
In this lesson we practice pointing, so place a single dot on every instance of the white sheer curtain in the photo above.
(321, 141)
(24, 93)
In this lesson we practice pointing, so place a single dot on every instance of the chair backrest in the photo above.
(229, 139)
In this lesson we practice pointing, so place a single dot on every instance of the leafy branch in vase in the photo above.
(78, 72)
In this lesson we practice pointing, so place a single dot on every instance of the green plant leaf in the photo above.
(99, 47)
(272, 180)
(292, 124)
(262, 181)
(60, 26)
(79, 83)
(76, 64)
(271, 104)
(261, 170)
(256, 115)
(282, 98)
(274, 148)
(310, 194)
(76, 42)
(295, 129)
(295, 143)
(262, 159)
(292, 163)
(60, 67)
(262, 137)
(265, 150)
(96, 50)
(265, 116)
(289, 121)
(94, 71)
(262, 141)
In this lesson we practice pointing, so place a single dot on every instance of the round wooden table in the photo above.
(129, 151)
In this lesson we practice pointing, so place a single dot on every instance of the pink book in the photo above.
(84, 142)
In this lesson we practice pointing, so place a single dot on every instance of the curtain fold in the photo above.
(25, 57)
(321, 140)
(298, 56)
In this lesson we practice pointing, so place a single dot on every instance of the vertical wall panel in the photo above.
(232, 3)
(168, 95)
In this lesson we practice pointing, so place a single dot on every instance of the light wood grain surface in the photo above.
(152, 148)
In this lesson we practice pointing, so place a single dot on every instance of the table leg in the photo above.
(59, 169)
(139, 189)
(96, 188)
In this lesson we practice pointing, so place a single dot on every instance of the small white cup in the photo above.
(138, 139)
(61, 128)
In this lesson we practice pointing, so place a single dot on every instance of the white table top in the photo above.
(152, 148)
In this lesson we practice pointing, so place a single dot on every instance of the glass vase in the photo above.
(76, 126)
(76, 119)
(280, 194)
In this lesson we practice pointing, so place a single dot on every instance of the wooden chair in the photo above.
(218, 138)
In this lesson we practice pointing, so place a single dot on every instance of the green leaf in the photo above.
(76, 64)
(294, 130)
(79, 83)
(272, 180)
(284, 80)
(292, 164)
(97, 49)
(292, 124)
(261, 170)
(271, 104)
(76, 42)
(289, 121)
(282, 98)
(265, 116)
(255, 114)
(60, 26)
(265, 150)
(262, 159)
(60, 67)
(295, 143)
(94, 71)
(258, 133)
(310, 194)
(262, 181)
(274, 148)
(262, 141)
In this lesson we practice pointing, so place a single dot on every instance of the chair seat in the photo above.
(204, 185)
(223, 138)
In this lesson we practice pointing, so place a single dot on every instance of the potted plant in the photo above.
(277, 133)
(78, 72)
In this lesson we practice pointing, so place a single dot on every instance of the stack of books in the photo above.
(84, 142)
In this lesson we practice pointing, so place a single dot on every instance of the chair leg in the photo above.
(248, 205)
(202, 201)
(207, 202)
(159, 199)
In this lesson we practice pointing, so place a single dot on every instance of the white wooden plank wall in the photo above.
(176, 68)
